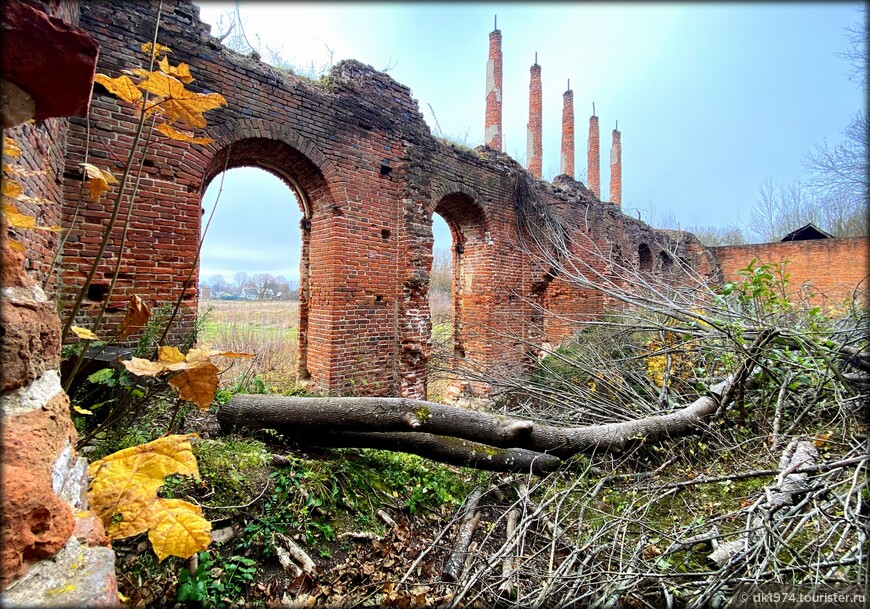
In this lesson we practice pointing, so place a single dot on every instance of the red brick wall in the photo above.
(566, 160)
(534, 145)
(593, 158)
(830, 268)
(356, 149)
(493, 124)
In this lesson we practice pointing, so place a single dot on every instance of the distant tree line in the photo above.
(259, 286)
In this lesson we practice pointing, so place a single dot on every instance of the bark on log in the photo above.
(442, 448)
(455, 563)
(304, 416)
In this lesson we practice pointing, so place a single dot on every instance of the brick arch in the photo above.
(277, 149)
(305, 178)
(461, 208)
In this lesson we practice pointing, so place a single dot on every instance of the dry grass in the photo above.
(268, 329)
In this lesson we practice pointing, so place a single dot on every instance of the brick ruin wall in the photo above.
(827, 271)
(356, 150)
(369, 175)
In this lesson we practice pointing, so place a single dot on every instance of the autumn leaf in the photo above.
(16, 218)
(123, 493)
(182, 136)
(84, 333)
(170, 355)
(81, 410)
(144, 367)
(179, 104)
(34, 200)
(181, 71)
(179, 529)
(10, 147)
(200, 355)
(15, 246)
(121, 87)
(12, 189)
(198, 383)
(137, 316)
(18, 171)
(98, 180)
(154, 49)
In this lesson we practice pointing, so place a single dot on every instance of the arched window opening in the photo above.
(644, 257)
(249, 275)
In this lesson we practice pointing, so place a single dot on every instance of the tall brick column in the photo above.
(616, 168)
(534, 148)
(593, 155)
(493, 134)
(566, 160)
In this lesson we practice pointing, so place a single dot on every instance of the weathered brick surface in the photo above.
(616, 168)
(493, 120)
(36, 522)
(830, 270)
(534, 144)
(566, 159)
(593, 157)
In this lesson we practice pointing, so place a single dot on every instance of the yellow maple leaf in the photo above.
(179, 529)
(10, 147)
(169, 355)
(121, 87)
(177, 103)
(155, 49)
(15, 246)
(12, 189)
(181, 71)
(144, 367)
(16, 219)
(98, 180)
(35, 200)
(123, 493)
(137, 316)
(197, 383)
(182, 136)
(84, 333)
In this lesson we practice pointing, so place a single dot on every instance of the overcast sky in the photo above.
(711, 99)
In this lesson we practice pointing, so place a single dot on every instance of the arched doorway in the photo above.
(249, 275)
(311, 193)
(468, 341)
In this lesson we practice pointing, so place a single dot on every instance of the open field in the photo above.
(268, 329)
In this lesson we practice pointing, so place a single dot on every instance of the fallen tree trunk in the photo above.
(402, 422)
(446, 449)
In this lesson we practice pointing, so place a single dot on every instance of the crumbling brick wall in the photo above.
(369, 175)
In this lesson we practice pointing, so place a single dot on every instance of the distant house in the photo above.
(249, 292)
(806, 233)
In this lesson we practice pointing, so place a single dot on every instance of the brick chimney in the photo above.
(616, 167)
(534, 149)
(593, 169)
(492, 133)
(566, 161)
